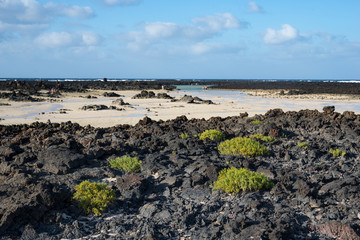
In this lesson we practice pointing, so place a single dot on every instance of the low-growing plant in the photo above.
(247, 147)
(263, 138)
(302, 145)
(126, 163)
(184, 136)
(257, 122)
(233, 180)
(93, 197)
(212, 134)
(337, 152)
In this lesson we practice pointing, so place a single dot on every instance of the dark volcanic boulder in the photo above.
(191, 99)
(94, 107)
(164, 96)
(144, 94)
(111, 94)
(329, 109)
(28, 203)
(120, 102)
(187, 99)
(150, 94)
(131, 186)
(60, 160)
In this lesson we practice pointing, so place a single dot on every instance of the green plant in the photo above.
(337, 152)
(243, 146)
(93, 197)
(184, 136)
(257, 122)
(302, 145)
(212, 134)
(263, 138)
(233, 180)
(126, 163)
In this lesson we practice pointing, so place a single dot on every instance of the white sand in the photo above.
(227, 105)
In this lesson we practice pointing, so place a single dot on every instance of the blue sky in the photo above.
(230, 39)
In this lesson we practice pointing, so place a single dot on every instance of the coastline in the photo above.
(227, 103)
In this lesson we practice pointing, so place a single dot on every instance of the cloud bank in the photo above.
(201, 29)
(32, 11)
(66, 39)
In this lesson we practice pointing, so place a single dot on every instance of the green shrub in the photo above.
(337, 152)
(257, 122)
(263, 138)
(126, 163)
(93, 197)
(184, 136)
(212, 134)
(243, 146)
(233, 180)
(302, 145)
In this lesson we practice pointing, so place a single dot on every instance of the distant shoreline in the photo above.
(299, 87)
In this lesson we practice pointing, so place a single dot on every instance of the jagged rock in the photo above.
(60, 160)
(94, 107)
(329, 109)
(131, 186)
(41, 163)
(111, 94)
(191, 99)
(120, 102)
(164, 96)
(144, 94)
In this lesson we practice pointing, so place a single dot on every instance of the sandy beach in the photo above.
(226, 103)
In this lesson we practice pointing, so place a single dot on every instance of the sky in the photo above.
(191, 39)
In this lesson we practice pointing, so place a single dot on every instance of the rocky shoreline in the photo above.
(315, 196)
(295, 87)
(34, 90)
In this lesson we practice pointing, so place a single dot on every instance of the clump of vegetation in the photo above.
(257, 122)
(93, 197)
(337, 152)
(247, 147)
(212, 134)
(126, 163)
(233, 180)
(263, 138)
(302, 145)
(184, 136)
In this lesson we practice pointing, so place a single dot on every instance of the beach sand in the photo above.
(233, 104)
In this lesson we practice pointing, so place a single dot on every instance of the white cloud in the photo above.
(255, 8)
(66, 39)
(201, 28)
(121, 2)
(161, 29)
(29, 17)
(285, 34)
(78, 12)
(32, 11)
(217, 22)
(55, 39)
